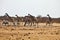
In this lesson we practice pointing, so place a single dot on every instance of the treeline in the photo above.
(40, 19)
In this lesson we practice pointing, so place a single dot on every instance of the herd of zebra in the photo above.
(29, 19)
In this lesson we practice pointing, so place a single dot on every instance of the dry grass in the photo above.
(31, 33)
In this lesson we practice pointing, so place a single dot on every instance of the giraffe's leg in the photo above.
(37, 24)
(46, 23)
(28, 23)
(14, 24)
(49, 23)
(5, 24)
(25, 23)
(18, 23)
(2, 23)
(31, 24)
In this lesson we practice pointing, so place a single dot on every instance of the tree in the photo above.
(39, 16)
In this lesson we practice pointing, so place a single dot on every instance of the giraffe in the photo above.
(35, 20)
(49, 21)
(27, 20)
(17, 19)
(6, 19)
(30, 20)
(5, 22)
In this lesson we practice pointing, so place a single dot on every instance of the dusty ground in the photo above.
(30, 33)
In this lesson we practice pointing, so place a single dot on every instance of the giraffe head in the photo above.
(29, 14)
(47, 14)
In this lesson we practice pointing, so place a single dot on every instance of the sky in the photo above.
(33, 7)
